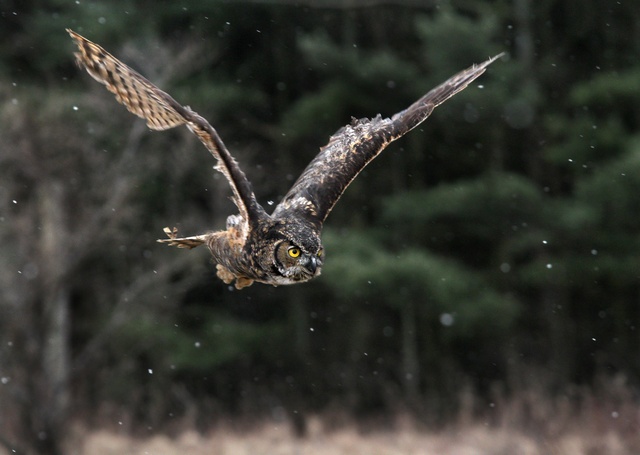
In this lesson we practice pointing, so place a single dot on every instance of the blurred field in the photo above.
(406, 439)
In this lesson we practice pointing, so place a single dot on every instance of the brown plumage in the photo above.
(284, 247)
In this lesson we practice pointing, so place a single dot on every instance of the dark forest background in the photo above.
(493, 251)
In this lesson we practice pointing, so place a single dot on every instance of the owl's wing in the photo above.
(352, 147)
(162, 112)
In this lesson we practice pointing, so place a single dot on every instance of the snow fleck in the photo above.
(446, 319)
(544, 242)
(615, 414)
(594, 252)
(14, 201)
(4, 380)
(75, 108)
(549, 266)
(505, 267)
(150, 371)
(197, 344)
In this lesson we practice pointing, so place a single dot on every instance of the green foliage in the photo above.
(498, 196)
(364, 269)
(466, 37)
(218, 341)
(612, 190)
(358, 82)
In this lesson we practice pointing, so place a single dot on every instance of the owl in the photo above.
(283, 247)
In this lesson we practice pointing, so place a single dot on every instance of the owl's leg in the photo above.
(182, 242)
(243, 282)
(225, 275)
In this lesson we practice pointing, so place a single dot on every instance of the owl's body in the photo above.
(284, 247)
(252, 259)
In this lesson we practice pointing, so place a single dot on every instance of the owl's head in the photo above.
(297, 252)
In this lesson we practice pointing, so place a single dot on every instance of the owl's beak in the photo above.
(312, 264)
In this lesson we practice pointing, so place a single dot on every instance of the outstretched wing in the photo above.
(349, 150)
(162, 112)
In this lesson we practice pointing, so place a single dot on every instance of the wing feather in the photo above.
(354, 146)
(162, 112)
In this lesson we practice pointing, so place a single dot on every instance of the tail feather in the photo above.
(182, 242)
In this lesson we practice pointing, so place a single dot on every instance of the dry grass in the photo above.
(581, 422)
(406, 439)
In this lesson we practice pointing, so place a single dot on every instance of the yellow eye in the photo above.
(294, 252)
(320, 253)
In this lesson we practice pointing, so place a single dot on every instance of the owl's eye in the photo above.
(320, 251)
(294, 252)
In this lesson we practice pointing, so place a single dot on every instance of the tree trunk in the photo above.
(299, 319)
(51, 400)
(410, 361)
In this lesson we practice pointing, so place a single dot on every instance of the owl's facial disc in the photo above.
(297, 263)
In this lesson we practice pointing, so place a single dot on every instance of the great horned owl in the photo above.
(284, 247)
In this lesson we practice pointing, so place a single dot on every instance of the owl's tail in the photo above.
(182, 242)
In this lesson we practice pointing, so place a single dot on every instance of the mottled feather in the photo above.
(354, 146)
(284, 248)
(161, 112)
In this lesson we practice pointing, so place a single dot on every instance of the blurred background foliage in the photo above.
(497, 241)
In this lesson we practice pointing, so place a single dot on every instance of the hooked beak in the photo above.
(312, 264)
